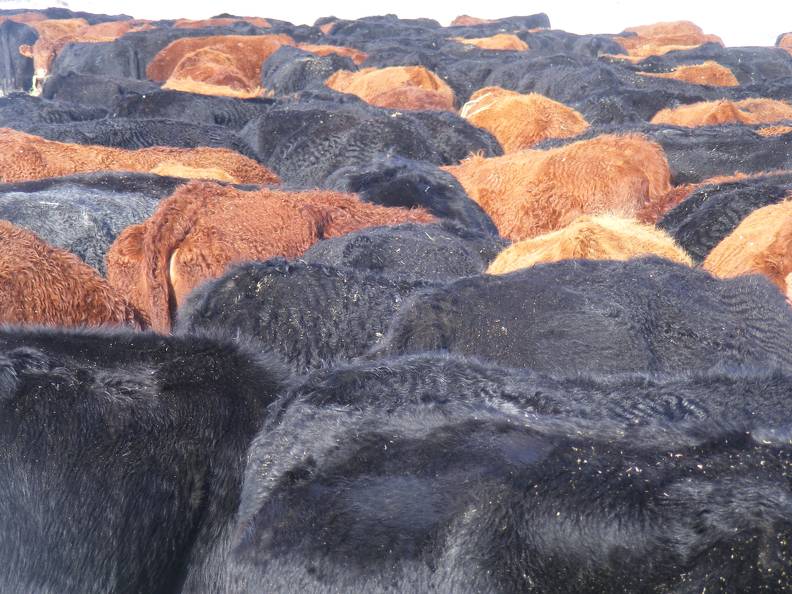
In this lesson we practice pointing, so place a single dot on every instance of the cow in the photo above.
(203, 227)
(90, 90)
(520, 121)
(531, 192)
(53, 35)
(26, 157)
(227, 65)
(395, 181)
(123, 457)
(465, 20)
(500, 41)
(602, 237)
(784, 41)
(760, 244)
(707, 73)
(712, 211)
(129, 56)
(696, 155)
(84, 214)
(136, 133)
(305, 142)
(774, 130)
(396, 87)
(757, 69)
(747, 111)
(44, 285)
(334, 314)
(431, 252)
(645, 314)
(660, 38)
(427, 474)
(291, 69)
(188, 107)
(22, 111)
(220, 22)
(16, 71)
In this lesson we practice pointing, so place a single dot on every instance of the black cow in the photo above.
(708, 215)
(93, 90)
(437, 252)
(84, 213)
(309, 315)
(291, 69)
(141, 133)
(22, 111)
(305, 142)
(16, 71)
(121, 457)
(129, 55)
(396, 181)
(647, 314)
(432, 475)
(190, 107)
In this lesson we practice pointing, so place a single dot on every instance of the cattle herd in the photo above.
(381, 305)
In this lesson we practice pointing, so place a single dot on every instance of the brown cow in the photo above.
(785, 42)
(202, 228)
(710, 113)
(357, 56)
(44, 285)
(26, 157)
(708, 73)
(520, 121)
(661, 38)
(531, 192)
(465, 20)
(760, 244)
(774, 130)
(501, 41)
(377, 86)
(227, 65)
(24, 17)
(603, 237)
(220, 22)
(56, 33)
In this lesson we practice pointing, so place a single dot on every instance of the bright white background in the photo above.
(743, 22)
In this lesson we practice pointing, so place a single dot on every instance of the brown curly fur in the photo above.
(220, 22)
(601, 237)
(786, 42)
(660, 38)
(379, 86)
(501, 41)
(26, 157)
(707, 73)
(465, 20)
(44, 285)
(760, 244)
(202, 228)
(531, 192)
(709, 113)
(227, 65)
(520, 121)
(774, 130)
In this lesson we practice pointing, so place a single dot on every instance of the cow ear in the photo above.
(26, 51)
